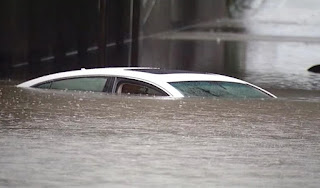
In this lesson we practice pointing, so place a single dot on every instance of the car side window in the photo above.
(127, 86)
(44, 86)
(96, 84)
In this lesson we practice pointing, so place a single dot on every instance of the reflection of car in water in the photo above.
(149, 81)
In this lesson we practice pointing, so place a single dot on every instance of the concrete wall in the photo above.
(39, 38)
(173, 15)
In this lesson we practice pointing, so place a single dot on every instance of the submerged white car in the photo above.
(149, 81)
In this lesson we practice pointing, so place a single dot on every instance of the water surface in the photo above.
(50, 138)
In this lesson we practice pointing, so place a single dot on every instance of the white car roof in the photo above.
(135, 73)
(158, 77)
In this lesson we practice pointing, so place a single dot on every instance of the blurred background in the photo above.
(268, 42)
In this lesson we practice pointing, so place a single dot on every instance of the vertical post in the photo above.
(102, 33)
(7, 36)
(130, 32)
(135, 33)
(59, 46)
(33, 40)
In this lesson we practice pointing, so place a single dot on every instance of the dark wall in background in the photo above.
(39, 37)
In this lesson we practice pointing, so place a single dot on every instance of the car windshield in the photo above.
(218, 89)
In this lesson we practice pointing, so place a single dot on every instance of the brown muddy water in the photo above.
(62, 139)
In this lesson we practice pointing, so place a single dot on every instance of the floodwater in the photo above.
(62, 139)
(65, 139)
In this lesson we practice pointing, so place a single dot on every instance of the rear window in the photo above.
(218, 89)
(79, 84)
